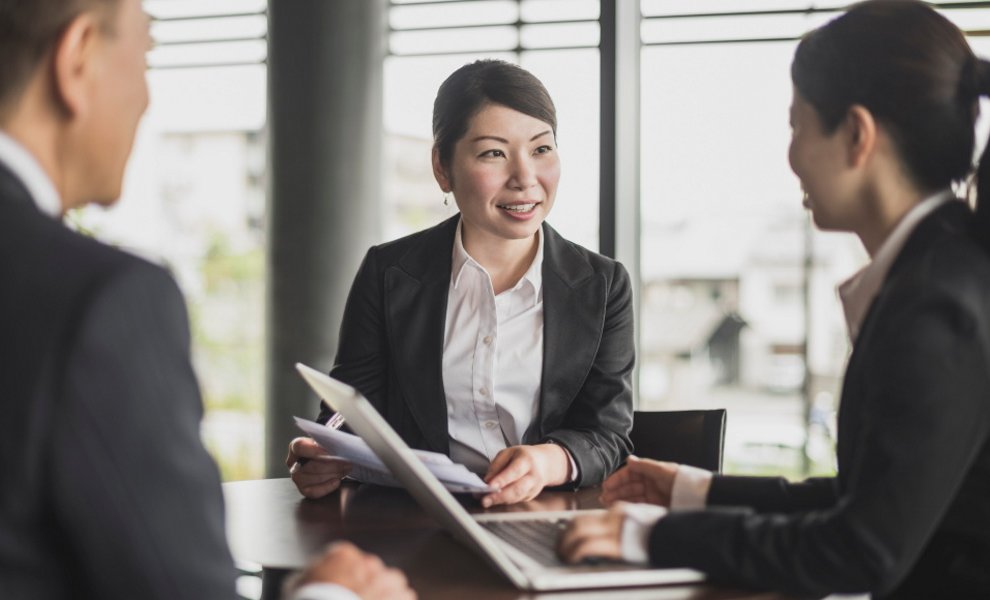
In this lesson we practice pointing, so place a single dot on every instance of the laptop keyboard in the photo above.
(537, 538)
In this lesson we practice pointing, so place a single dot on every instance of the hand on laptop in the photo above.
(641, 480)
(597, 536)
(521, 472)
(364, 574)
(314, 472)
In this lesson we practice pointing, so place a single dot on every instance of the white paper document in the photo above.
(368, 468)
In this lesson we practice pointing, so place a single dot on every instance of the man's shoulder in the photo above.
(56, 270)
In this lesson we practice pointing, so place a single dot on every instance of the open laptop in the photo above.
(521, 546)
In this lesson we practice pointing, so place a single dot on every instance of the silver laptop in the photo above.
(521, 546)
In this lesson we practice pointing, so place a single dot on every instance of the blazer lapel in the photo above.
(416, 304)
(573, 317)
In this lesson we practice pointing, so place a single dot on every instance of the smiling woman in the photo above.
(490, 337)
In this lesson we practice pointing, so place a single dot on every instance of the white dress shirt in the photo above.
(691, 485)
(41, 189)
(22, 164)
(492, 358)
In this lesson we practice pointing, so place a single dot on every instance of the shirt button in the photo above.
(487, 340)
(483, 391)
(490, 424)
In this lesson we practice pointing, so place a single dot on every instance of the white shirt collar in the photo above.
(858, 292)
(534, 275)
(26, 168)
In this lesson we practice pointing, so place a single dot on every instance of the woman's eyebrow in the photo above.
(505, 141)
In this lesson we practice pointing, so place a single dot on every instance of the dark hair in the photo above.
(29, 28)
(913, 70)
(476, 85)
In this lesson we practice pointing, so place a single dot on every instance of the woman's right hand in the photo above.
(641, 480)
(317, 475)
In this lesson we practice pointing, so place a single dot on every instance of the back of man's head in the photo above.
(28, 31)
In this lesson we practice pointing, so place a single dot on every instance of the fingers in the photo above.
(641, 480)
(514, 472)
(318, 477)
(593, 535)
(319, 490)
(618, 479)
(524, 488)
(625, 484)
(509, 465)
(388, 584)
(631, 491)
(502, 459)
(303, 447)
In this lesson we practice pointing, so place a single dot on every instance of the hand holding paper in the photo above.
(368, 468)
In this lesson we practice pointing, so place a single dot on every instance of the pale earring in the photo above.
(446, 198)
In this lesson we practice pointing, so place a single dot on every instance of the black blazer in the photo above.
(105, 488)
(391, 346)
(908, 515)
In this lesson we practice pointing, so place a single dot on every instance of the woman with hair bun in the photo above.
(883, 121)
(490, 337)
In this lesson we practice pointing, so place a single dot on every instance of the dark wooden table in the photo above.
(269, 524)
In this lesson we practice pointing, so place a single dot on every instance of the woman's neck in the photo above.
(506, 261)
(885, 206)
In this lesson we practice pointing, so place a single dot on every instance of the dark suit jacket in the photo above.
(391, 346)
(105, 488)
(908, 515)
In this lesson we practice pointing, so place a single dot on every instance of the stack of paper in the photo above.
(368, 468)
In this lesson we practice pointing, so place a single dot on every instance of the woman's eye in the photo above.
(493, 153)
(544, 149)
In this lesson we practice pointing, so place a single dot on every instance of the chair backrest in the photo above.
(690, 437)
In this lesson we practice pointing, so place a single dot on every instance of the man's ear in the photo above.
(440, 173)
(72, 62)
(861, 134)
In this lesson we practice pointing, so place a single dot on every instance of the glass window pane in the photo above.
(421, 1)
(250, 26)
(474, 39)
(562, 35)
(695, 7)
(165, 9)
(559, 10)
(493, 12)
(970, 19)
(194, 200)
(208, 54)
(723, 244)
(731, 28)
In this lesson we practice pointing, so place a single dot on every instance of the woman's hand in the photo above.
(314, 472)
(641, 480)
(521, 472)
(593, 536)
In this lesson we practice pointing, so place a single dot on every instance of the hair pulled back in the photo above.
(916, 74)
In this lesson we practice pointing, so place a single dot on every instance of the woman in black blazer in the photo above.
(885, 99)
(490, 337)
